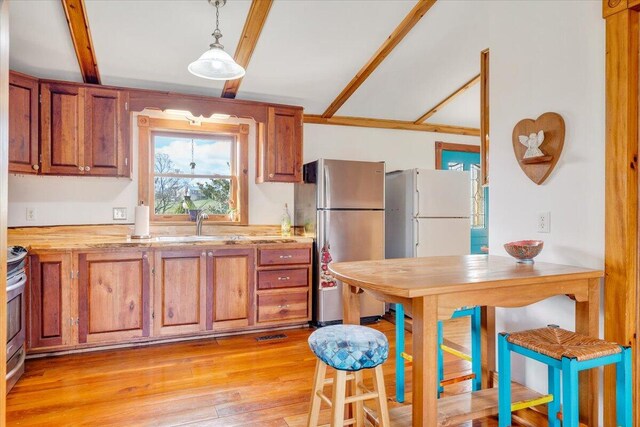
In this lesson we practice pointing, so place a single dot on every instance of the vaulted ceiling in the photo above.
(307, 53)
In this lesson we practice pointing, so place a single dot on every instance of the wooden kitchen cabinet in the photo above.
(113, 296)
(231, 275)
(83, 130)
(23, 124)
(279, 157)
(49, 310)
(180, 292)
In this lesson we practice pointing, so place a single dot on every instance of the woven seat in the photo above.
(558, 343)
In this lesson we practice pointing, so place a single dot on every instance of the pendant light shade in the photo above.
(216, 64)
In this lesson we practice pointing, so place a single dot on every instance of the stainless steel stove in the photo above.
(16, 284)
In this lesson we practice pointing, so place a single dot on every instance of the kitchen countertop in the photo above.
(63, 238)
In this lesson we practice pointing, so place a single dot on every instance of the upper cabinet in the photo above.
(279, 156)
(23, 124)
(84, 130)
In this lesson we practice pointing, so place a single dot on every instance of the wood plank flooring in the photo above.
(235, 381)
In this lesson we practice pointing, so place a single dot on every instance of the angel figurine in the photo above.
(533, 143)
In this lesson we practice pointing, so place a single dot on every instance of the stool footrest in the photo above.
(457, 379)
(523, 404)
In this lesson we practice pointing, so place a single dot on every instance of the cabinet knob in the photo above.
(35, 167)
(210, 254)
(270, 175)
(87, 168)
(204, 253)
(81, 168)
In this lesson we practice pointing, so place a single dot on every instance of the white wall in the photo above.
(548, 57)
(89, 200)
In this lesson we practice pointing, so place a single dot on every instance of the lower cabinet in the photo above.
(49, 310)
(232, 273)
(120, 296)
(113, 296)
(180, 292)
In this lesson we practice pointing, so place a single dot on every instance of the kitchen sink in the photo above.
(179, 239)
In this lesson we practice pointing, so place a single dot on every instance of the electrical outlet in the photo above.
(544, 222)
(120, 214)
(31, 214)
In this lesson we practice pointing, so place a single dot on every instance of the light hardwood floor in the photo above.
(235, 381)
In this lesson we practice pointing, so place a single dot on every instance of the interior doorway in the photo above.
(450, 156)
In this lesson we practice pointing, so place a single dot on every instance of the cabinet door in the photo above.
(49, 314)
(113, 296)
(62, 129)
(105, 150)
(284, 145)
(180, 292)
(230, 289)
(23, 124)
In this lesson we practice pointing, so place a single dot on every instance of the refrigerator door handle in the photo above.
(417, 234)
(417, 199)
(326, 183)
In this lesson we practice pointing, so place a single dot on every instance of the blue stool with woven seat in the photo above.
(349, 349)
(565, 353)
(475, 357)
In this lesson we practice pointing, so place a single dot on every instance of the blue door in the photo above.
(470, 161)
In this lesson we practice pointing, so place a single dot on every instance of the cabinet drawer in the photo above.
(274, 307)
(290, 278)
(284, 256)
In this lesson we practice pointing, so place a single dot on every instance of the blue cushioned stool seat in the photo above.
(350, 347)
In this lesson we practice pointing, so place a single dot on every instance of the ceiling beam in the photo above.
(76, 14)
(418, 11)
(389, 124)
(250, 34)
(448, 99)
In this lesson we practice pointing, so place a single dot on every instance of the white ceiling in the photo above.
(308, 51)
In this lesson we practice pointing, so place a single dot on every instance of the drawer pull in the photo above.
(286, 256)
(284, 306)
(284, 278)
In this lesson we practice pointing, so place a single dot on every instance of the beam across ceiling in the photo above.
(418, 11)
(389, 124)
(250, 33)
(448, 99)
(76, 15)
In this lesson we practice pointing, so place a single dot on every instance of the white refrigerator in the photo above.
(427, 213)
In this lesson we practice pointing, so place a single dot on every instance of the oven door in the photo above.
(15, 313)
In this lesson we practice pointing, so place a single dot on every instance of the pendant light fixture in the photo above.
(216, 64)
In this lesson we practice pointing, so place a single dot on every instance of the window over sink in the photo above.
(187, 168)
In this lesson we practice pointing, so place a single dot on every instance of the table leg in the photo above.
(350, 304)
(488, 347)
(425, 360)
(587, 322)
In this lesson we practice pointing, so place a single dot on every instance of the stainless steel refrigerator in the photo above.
(341, 205)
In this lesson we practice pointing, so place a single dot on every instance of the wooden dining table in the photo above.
(432, 288)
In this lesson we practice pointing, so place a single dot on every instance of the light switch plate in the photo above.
(120, 214)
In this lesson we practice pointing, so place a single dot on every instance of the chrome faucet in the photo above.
(200, 217)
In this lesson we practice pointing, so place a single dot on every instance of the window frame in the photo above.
(149, 127)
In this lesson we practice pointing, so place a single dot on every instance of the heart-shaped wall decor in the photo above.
(538, 152)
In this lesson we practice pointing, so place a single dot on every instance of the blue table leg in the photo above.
(399, 351)
(504, 382)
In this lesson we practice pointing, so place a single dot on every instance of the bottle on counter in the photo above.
(285, 223)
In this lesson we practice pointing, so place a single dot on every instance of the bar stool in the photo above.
(565, 353)
(349, 349)
(475, 357)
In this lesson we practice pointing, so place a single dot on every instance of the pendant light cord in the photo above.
(217, 33)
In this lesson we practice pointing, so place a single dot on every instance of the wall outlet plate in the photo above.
(544, 222)
(31, 214)
(120, 214)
